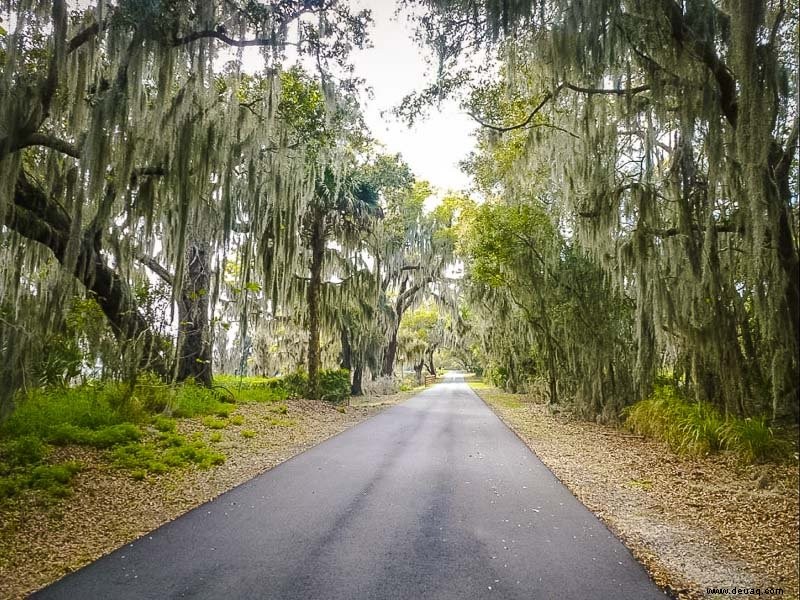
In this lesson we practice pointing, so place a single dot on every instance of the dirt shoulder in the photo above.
(39, 543)
(694, 524)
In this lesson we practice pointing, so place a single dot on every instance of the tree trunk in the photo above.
(314, 288)
(194, 346)
(36, 217)
(358, 375)
(418, 372)
(390, 354)
(431, 367)
(346, 358)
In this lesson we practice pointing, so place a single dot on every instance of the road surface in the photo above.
(432, 499)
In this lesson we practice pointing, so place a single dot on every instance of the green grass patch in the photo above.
(281, 409)
(214, 423)
(51, 480)
(248, 433)
(281, 422)
(697, 429)
(215, 437)
(105, 437)
(193, 401)
(236, 420)
(172, 451)
(162, 423)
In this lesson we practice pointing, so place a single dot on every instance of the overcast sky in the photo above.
(394, 67)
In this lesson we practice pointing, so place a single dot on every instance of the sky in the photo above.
(393, 67)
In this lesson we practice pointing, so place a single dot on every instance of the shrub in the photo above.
(41, 409)
(334, 385)
(23, 451)
(164, 424)
(296, 384)
(753, 440)
(696, 429)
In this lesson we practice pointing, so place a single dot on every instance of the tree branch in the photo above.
(609, 91)
(49, 141)
(547, 97)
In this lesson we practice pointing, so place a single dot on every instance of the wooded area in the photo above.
(188, 189)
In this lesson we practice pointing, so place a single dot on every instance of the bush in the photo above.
(697, 429)
(334, 385)
(40, 410)
(753, 440)
(23, 451)
(164, 423)
(296, 384)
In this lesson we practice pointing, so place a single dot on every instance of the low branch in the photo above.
(48, 141)
(226, 39)
(610, 91)
(82, 37)
(156, 268)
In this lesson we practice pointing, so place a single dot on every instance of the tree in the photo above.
(343, 206)
(670, 136)
(122, 123)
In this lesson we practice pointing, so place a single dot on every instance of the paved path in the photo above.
(432, 499)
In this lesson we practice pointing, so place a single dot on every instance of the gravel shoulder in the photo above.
(694, 524)
(39, 543)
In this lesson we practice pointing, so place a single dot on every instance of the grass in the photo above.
(698, 429)
(106, 416)
(280, 422)
(215, 437)
(193, 401)
(104, 437)
(172, 451)
(214, 423)
(248, 433)
(236, 420)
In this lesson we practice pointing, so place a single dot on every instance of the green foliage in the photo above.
(334, 385)
(214, 423)
(171, 452)
(296, 384)
(254, 389)
(104, 437)
(281, 422)
(698, 429)
(23, 451)
(41, 410)
(753, 440)
(192, 400)
(248, 433)
(165, 424)
(236, 420)
(281, 409)
(52, 480)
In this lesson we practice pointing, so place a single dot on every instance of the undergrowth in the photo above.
(697, 429)
(134, 422)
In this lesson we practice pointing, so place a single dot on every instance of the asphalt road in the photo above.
(433, 499)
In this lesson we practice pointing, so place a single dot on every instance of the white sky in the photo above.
(393, 67)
